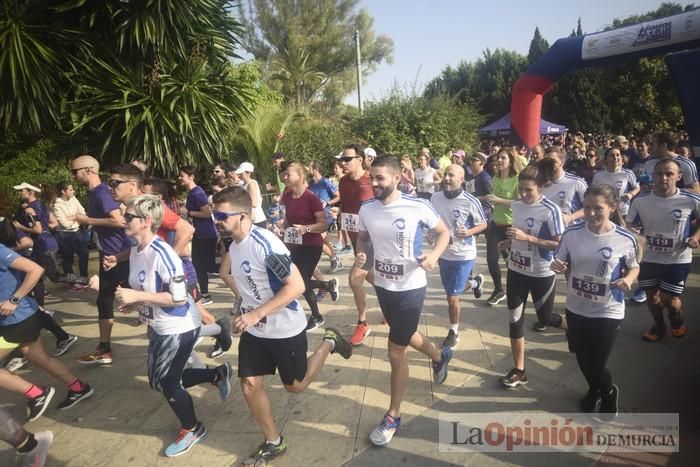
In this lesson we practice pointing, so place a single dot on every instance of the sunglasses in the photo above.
(128, 217)
(221, 216)
(75, 171)
(115, 182)
(348, 158)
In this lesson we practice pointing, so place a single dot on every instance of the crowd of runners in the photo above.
(621, 229)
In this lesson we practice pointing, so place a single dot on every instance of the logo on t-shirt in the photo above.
(245, 266)
(142, 276)
(530, 222)
(400, 225)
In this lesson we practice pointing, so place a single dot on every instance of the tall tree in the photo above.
(538, 47)
(324, 29)
(151, 80)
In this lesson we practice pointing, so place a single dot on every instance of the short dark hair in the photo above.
(158, 186)
(545, 171)
(530, 174)
(236, 196)
(668, 138)
(358, 148)
(190, 170)
(129, 170)
(278, 155)
(389, 162)
(668, 161)
(227, 166)
(63, 186)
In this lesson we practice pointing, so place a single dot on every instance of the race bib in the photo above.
(292, 236)
(662, 243)
(589, 289)
(349, 222)
(388, 269)
(146, 315)
(521, 261)
(260, 324)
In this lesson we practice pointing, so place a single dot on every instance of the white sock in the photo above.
(276, 442)
(455, 328)
(331, 342)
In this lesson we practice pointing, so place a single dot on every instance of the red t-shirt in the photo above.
(167, 225)
(353, 193)
(302, 211)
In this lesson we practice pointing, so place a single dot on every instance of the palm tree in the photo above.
(300, 80)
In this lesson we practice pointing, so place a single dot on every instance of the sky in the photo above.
(428, 35)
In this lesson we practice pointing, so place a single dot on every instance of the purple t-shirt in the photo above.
(203, 226)
(100, 203)
(44, 241)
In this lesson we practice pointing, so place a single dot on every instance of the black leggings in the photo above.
(109, 280)
(167, 357)
(494, 235)
(305, 258)
(542, 290)
(592, 340)
(204, 261)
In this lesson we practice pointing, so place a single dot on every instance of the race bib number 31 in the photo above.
(292, 236)
(349, 222)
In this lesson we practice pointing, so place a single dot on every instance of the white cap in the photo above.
(245, 167)
(369, 152)
(27, 186)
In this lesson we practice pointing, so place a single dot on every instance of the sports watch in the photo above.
(14, 299)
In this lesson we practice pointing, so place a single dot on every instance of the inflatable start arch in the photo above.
(675, 35)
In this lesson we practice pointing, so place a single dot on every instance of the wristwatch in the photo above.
(14, 299)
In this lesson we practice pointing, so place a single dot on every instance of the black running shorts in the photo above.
(259, 356)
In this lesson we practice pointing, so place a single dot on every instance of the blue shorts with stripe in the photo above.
(669, 278)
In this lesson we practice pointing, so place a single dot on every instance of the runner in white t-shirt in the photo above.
(600, 261)
(464, 218)
(427, 178)
(667, 217)
(159, 293)
(391, 225)
(272, 320)
(663, 146)
(562, 188)
(623, 180)
(535, 231)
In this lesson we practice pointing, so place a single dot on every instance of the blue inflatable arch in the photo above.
(677, 36)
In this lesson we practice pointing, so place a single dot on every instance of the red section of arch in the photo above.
(526, 107)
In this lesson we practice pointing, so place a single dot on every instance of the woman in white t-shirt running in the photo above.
(601, 262)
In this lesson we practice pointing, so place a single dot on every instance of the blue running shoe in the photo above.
(440, 368)
(186, 440)
(225, 373)
(385, 431)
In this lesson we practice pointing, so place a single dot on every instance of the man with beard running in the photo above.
(392, 224)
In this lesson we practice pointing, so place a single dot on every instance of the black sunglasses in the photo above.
(75, 171)
(128, 217)
(348, 158)
(115, 182)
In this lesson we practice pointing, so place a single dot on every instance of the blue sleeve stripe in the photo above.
(163, 253)
(476, 203)
(628, 234)
(556, 214)
(260, 238)
(689, 194)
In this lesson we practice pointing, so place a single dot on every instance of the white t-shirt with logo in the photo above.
(257, 284)
(596, 260)
(396, 234)
(152, 270)
(566, 192)
(461, 211)
(541, 219)
(623, 181)
(666, 224)
(425, 180)
(689, 173)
